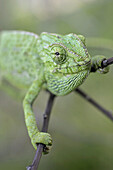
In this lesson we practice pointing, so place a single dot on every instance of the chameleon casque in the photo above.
(59, 63)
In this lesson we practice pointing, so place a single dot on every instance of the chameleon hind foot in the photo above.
(43, 138)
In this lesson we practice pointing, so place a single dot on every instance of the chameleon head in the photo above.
(66, 61)
(64, 54)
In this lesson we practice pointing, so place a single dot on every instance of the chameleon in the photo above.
(58, 63)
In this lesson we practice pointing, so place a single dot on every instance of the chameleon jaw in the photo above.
(63, 84)
(73, 69)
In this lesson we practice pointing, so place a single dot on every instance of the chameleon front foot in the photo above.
(43, 138)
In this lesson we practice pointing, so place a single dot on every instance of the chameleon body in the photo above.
(59, 63)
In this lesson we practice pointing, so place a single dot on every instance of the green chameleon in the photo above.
(59, 63)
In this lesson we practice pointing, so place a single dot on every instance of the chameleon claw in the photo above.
(46, 149)
(43, 138)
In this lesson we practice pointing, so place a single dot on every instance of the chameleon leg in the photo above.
(34, 134)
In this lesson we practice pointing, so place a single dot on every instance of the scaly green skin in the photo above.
(59, 63)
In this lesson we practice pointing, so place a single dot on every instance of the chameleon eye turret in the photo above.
(58, 54)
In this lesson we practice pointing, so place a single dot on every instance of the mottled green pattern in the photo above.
(59, 63)
(16, 48)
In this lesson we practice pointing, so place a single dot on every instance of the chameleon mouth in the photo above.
(74, 68)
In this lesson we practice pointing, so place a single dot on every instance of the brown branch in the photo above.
(94, 103)
(104, 64)
(41, 147)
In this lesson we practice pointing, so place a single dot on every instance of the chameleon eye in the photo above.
(58, 54)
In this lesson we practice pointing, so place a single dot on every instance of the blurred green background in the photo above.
(82, 136)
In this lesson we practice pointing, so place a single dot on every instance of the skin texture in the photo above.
(59, 63)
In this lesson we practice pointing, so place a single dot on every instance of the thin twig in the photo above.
(40, 147)
(104, 63)
(107, 62)
(94, 103)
